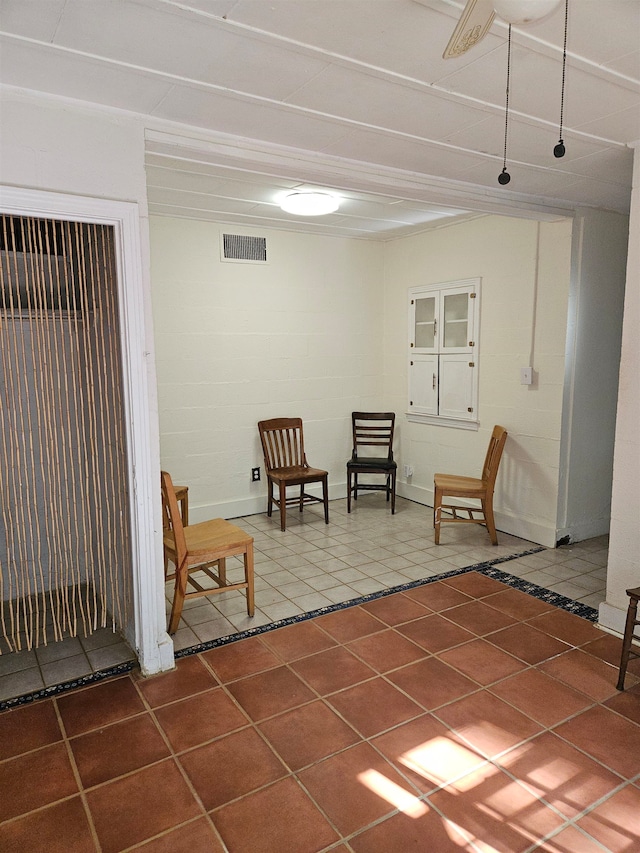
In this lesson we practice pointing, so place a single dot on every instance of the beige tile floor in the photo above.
(312, 565)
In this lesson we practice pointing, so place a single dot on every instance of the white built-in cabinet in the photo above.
(443, 353)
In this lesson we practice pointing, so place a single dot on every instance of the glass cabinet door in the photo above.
(455, 313)
(425, 322)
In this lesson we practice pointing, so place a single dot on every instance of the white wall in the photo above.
(300, 335)
(525, 272)
(623, 570)
(594, 331)
(53, 144)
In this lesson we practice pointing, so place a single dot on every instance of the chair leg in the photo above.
(325, 499)
(487, 508)
(355, 487)
(178, 597)
(632, 613)
(393, 492)
(248, 576)
(222, 571)
(348, 490)
(301, 498)
(269, 497)
(283, 506)
(437, 512)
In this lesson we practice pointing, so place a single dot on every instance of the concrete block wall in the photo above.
(300, 335)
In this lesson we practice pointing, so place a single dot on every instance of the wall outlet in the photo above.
(408, 470)
(255, 475)
(526, 376)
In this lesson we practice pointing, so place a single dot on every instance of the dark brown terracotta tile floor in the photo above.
(458, 716)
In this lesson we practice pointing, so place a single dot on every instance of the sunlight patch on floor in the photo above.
(406, 802)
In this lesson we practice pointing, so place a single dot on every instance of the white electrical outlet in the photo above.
(526, 376)
(408, 470)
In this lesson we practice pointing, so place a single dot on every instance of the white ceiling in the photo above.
(349, 95)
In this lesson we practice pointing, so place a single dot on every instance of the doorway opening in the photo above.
(65, 532)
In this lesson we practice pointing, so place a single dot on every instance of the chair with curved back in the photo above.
(372, 433)
(201, 548)
(286, 465)
(480, 489)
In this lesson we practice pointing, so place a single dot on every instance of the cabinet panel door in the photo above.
(423, 384)
(457, 387)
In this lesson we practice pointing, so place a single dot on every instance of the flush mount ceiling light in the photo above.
(524, 11)
(309, 203)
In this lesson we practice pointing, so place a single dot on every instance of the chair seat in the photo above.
(217, 534)
(452, 484)
(372, 462)
(296, 474)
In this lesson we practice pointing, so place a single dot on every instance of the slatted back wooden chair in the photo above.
(285, 464)
(480, 489)
(372, 453)
(204, 548)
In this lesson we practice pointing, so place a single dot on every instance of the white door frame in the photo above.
(147, 635)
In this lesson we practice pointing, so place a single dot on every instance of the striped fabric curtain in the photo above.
(65, 555)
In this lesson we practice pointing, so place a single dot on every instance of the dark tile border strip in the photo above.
(55, 689)
(487, 568)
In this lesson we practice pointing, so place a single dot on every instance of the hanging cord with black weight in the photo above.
(504, 177)
(559, 150)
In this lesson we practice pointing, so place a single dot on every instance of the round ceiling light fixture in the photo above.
(524, 11)
(309, 203)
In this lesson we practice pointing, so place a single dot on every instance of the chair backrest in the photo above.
(494, 454)
(373, 430)
(171, 512)
(282, 443)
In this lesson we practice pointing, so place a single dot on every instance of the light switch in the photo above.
(526, 375)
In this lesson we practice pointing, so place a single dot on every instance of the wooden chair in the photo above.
(286, 465)
(453, 486)
(374, 431)
(632, 623)
(201, 548)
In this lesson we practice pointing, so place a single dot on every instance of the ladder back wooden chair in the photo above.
(372, 453)
(285, 464)
(202, 547)
(480, 489)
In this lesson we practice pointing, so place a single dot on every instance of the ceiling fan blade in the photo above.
(477, 16)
